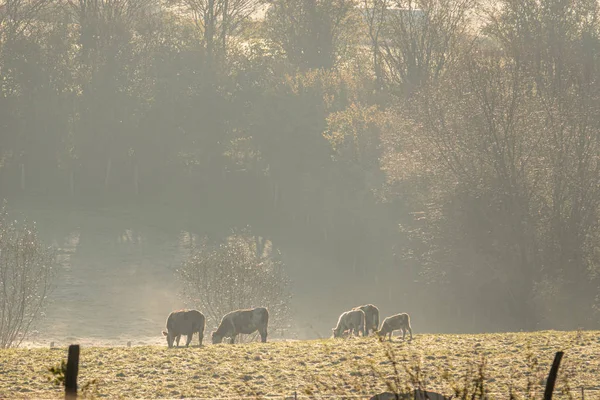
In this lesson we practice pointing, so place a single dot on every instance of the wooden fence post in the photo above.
(552, 376)
(72, 371)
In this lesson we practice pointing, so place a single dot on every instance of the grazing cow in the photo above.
(371, 317)
(242, 321)
(393, 323)
(184, 322)
(353, 320)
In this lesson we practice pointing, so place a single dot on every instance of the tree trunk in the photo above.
(225, 27)
(209, 32)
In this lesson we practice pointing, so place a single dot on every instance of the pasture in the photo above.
(320, 368)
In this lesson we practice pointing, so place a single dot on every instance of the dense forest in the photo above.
(442, 151)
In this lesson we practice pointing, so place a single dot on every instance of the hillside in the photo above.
(322, 368)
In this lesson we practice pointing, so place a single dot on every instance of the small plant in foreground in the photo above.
(472, 385)
(58, 373)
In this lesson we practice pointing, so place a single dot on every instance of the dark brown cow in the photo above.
(184, 322)
(353, 321)
(242, 321)
(393, 323)
(417, 394)
(371, 318)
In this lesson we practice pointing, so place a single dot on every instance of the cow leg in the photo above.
(390, 336)
(177, 339)
(232, 340)
(263, 336)
(200, 337)
(410, 331)
(189, 339)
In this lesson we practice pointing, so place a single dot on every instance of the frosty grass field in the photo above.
(320, 368)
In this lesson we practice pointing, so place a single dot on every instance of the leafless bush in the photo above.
(417, 39)
(241, 272)
(26, 273)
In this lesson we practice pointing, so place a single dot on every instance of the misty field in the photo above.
(357, 366)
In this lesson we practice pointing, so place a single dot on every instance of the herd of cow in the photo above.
(358, 320)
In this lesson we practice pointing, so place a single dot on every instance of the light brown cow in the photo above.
(353, 321)
(242, 321)
(371, 317)
(184, 322)
(393, 323)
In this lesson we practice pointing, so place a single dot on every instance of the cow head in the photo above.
(169, 338)
(216, 338)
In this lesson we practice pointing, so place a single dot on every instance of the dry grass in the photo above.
(317, 367)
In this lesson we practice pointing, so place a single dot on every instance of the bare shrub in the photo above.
(241, 272)
(26, 274)
(413, 42)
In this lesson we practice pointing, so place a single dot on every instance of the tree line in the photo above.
(445, 151)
